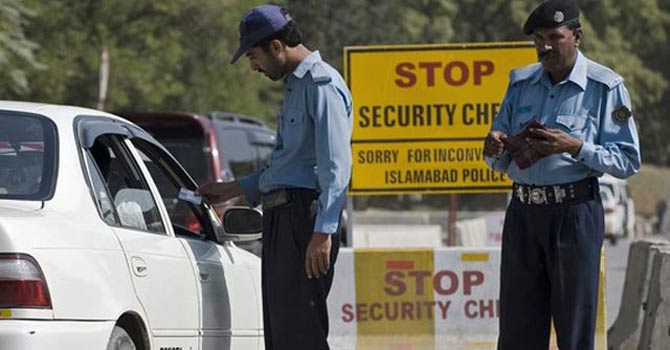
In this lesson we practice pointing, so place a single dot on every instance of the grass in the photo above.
(649, 186)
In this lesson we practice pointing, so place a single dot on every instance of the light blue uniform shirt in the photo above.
(313, 141)
(582, 105)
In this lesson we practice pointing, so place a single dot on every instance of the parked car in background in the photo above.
(216, 147)
(97, 247)
(618, 206)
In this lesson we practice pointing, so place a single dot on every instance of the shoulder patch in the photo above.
(603, 75)
(527, 72)
(320, 74)
(621, 114)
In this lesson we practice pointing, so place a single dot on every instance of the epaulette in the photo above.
(521, 74)
(603, 74)
(320, 73)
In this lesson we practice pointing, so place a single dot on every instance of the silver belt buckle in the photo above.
(520, 194)
(538, 195)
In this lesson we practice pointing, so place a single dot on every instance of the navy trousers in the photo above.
(295, 314)
(549, 269)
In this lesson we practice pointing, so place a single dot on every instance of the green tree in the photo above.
(174, 54)
(636, 49)
(330, 25)
(17, 53)
(615, 35)
(431, 21)
(167, 55)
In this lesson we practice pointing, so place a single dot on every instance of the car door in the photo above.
(162, 274)
(229, 299)
(230, 308)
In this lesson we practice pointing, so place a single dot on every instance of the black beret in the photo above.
(552, 13)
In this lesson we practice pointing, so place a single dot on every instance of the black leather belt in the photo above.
(282, 196)
(556, 194)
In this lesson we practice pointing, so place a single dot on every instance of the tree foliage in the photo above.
(174, 54)
(17, 52)
(164, 55)
(629, 36)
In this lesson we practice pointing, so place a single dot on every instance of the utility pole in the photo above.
(104, 78)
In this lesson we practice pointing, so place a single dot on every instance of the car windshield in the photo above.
(27, 156)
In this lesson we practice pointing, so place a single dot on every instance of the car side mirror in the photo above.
(241, 224)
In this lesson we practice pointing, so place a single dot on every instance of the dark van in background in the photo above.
(216, 147)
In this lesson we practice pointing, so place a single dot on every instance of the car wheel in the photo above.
(120, 340)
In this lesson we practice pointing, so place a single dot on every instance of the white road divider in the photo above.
(389, 236)
(627, 328)
(472, 233)
(656, 326)
(416, 299)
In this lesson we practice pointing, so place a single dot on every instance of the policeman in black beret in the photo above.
(569, 121)
(551, 14)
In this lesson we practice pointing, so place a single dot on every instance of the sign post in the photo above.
(422, 112)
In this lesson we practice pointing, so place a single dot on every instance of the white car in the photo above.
(98, 251)
(618, 206)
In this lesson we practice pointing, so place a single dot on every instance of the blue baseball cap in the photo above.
(258, 24)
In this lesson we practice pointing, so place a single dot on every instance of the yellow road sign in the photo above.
(422, 111)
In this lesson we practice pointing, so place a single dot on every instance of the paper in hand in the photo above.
(189, 196)
(520, 150)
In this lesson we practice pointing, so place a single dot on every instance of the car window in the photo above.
(239, 152)
(187, 218)
(27, 156)
(246, 151)
(122, 195)
(103, 200)
(262, 143)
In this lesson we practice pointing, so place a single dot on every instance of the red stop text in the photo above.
(454, 73)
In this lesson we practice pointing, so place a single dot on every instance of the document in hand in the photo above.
(520, 150)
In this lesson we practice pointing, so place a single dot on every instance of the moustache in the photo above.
(546, 54)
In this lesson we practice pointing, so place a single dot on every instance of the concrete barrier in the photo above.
(401, 236)
(472, 233)
(415, 299)
(625, 332)
(384, 217)
(494, 221)
(420, 299)
(656, 327)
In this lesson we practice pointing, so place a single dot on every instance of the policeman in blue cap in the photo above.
(575, 121)
(303, 187)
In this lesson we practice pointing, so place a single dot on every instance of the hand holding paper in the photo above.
(523, 155)
(189, 196)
